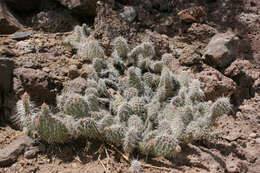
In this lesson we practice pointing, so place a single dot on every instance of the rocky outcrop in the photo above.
(193, 14)
(84, 8)
(222, 49)
(8, 23)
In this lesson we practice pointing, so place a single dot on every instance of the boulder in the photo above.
(84, 8)
(245, 75)
(8, 23)
(21, 6)
(36, 83)
(221, 50)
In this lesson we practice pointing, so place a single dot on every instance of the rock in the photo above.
(25, 47)
(257, 140)
(128, 14)
(36, 83)
(222, 49)
(10, 153)
(252, 135)
(5, 51)
(6, 69)
(245, 74)
(202, 32)
(21, 35)
(31, 153)
(190, 55)
(214, 83)
(193, 14)
(59, 20)
(73, 72)
(21, 6)
(84, 8)
(161, 5)
(8, 22)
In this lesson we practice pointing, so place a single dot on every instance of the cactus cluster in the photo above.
(144, 108)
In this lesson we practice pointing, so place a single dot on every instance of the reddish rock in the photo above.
(190, 55)
(215, 84)
(193, 14)
(245, 74)
(36, 83)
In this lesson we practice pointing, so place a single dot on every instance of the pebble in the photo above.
(252, 135)
(257, 140)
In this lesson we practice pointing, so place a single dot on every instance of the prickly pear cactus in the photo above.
(129, 100)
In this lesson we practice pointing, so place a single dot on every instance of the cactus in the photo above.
(124, 112)
(77, 107)
(99, 64)
(131, 139)
(135, 122)
(167, 60)
(80, 33)
(120, 46)
(50, 128)
(87, 127)
(90, 50)
(130, 100)
(219, 107)
(136, 167)
(115, 134)
(165, 145)
(138, 106)
(24, 110)
(134, 79)
(130, 93)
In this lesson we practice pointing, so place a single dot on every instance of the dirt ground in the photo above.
(236, 150)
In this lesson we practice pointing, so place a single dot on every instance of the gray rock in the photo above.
(25, 47)
(10, 153)
(128, 14)
(222, 49)
(257, 140)
(21, 35)
(31, 153)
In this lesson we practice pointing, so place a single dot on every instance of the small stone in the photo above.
(30, 154)
(73, 72)
(257, 140)
(252, 135)
(74, 165)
